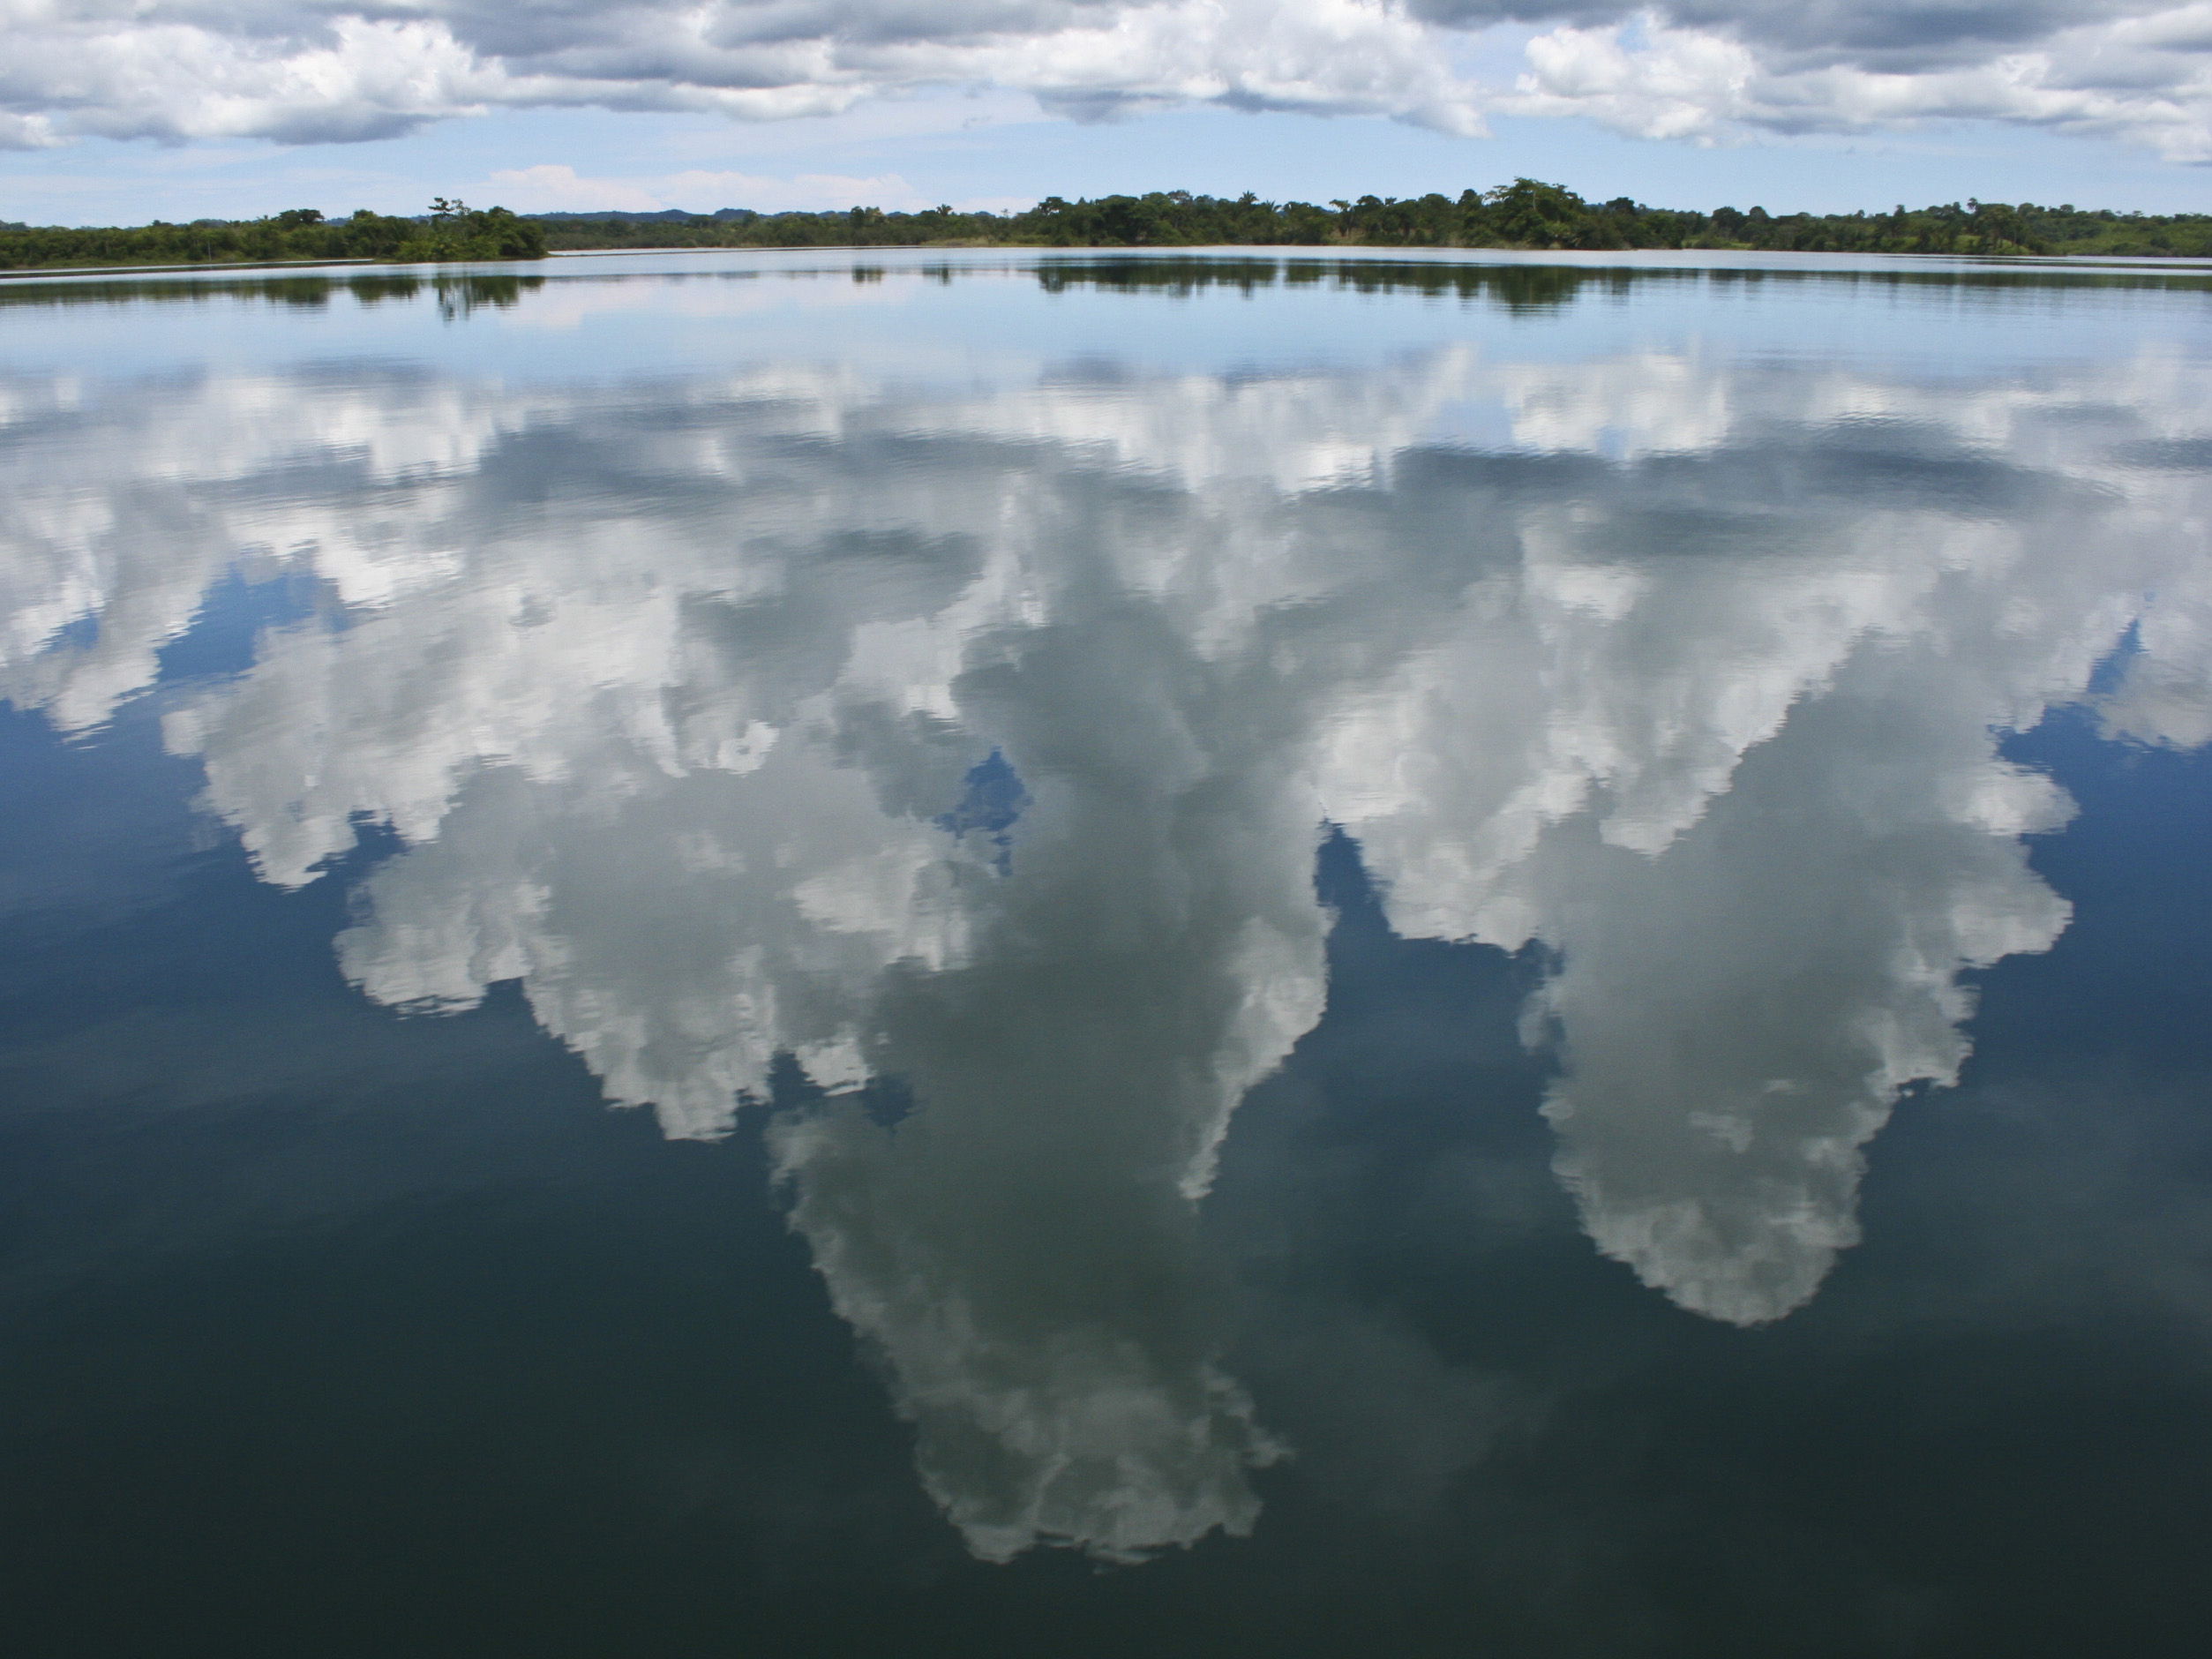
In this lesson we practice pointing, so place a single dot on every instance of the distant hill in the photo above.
(665, 216)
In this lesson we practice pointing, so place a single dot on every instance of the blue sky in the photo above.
(242, 107)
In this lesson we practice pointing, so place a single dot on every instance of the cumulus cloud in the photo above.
(974, 732)
(327, 70)
(324, 73)
(2145, 77)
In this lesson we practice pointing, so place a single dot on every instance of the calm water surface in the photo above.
(1107, 957)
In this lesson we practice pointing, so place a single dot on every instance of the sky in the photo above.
(116, 111)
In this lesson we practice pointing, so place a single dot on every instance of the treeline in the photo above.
(1525, 214)
(451, 230)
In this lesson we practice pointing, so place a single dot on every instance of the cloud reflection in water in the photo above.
(674, 691)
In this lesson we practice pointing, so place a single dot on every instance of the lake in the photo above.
(1107, 954)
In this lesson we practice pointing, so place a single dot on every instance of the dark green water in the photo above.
(1107, 958)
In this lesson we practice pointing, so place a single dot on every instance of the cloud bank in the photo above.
(180, 71)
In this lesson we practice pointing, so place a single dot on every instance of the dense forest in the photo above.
(1525, 214)
(450, 230)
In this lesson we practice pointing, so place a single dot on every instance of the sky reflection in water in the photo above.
(851, 702)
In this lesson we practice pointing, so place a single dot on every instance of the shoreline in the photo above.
(1569, 257)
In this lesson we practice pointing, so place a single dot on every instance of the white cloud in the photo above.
(1704, 69)
(26, 132)
(323, 73)
(2145, 79)
(1668, 84)
(149, 78)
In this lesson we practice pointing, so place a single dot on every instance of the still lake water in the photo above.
(1090, 955)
